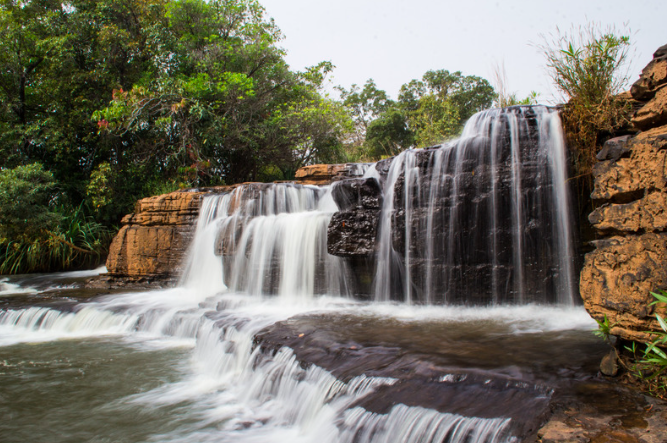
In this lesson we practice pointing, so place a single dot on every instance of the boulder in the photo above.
(357, 193)
(617, 281)
(626, 179)
(648, 214)
(652, 76)
(614, 148)
(654, 112)
(153, 240)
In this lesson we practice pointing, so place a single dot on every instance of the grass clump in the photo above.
(587, 66)
(39, 235)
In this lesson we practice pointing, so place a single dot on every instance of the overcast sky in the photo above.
(395, 41)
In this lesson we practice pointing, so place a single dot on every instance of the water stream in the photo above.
(262, 341)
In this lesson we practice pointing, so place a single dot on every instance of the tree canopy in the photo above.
(181, 93)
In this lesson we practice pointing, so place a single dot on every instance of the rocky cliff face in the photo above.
(630, 260)
(153, 240)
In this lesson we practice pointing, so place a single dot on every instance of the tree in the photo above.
(223, 104)
(25, 196)
(365, 105)
(439, 105)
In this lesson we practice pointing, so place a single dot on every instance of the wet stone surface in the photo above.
(551, 393)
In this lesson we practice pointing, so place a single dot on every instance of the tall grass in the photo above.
(587, 65)
(78, 242)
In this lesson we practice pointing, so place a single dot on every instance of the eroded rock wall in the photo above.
(630, 259)
(153, 240)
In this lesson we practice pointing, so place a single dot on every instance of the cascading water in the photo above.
(271, 240)
(488, 215)
(483, 219)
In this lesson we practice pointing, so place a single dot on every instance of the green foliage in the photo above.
(388, 135)
(78, 242)
(586, 66)
(225, 105)
(26, 193)
(428, 111)
(604, 328)
(649, 367)
(654, 355)
(38, 235)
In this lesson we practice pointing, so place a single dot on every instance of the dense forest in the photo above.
(103, 102)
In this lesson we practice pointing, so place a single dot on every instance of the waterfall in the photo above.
(484, 219)
(266, 239)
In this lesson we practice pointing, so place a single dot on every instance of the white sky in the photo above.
(395, 41)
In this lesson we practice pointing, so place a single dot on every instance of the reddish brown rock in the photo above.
(630, 261)
(648, 214)
(653, 76)
(153, 240)
(326, 174)
(627, 179)
(653, 113)
(617, 281)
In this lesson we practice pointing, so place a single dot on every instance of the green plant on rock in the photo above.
(650, 365)
(604, 329)
(587, 67)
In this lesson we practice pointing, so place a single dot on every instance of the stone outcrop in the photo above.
(326, 174)
(153, 240)
(353, 230)
(630, 259)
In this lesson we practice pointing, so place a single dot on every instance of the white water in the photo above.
(498, 221)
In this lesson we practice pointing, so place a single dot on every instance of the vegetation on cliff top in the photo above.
(586, 65)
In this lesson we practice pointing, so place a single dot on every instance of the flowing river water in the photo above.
(178, 366)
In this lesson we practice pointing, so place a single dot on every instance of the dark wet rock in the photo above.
(353, 233)
(439, 367)
(357, 193)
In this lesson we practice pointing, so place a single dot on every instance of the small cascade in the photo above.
(266, 239)
(484, 219)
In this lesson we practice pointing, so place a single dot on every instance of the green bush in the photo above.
(39, 235)
(586, 66)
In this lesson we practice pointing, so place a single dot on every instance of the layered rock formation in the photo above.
(630, 259)
(153, 241)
